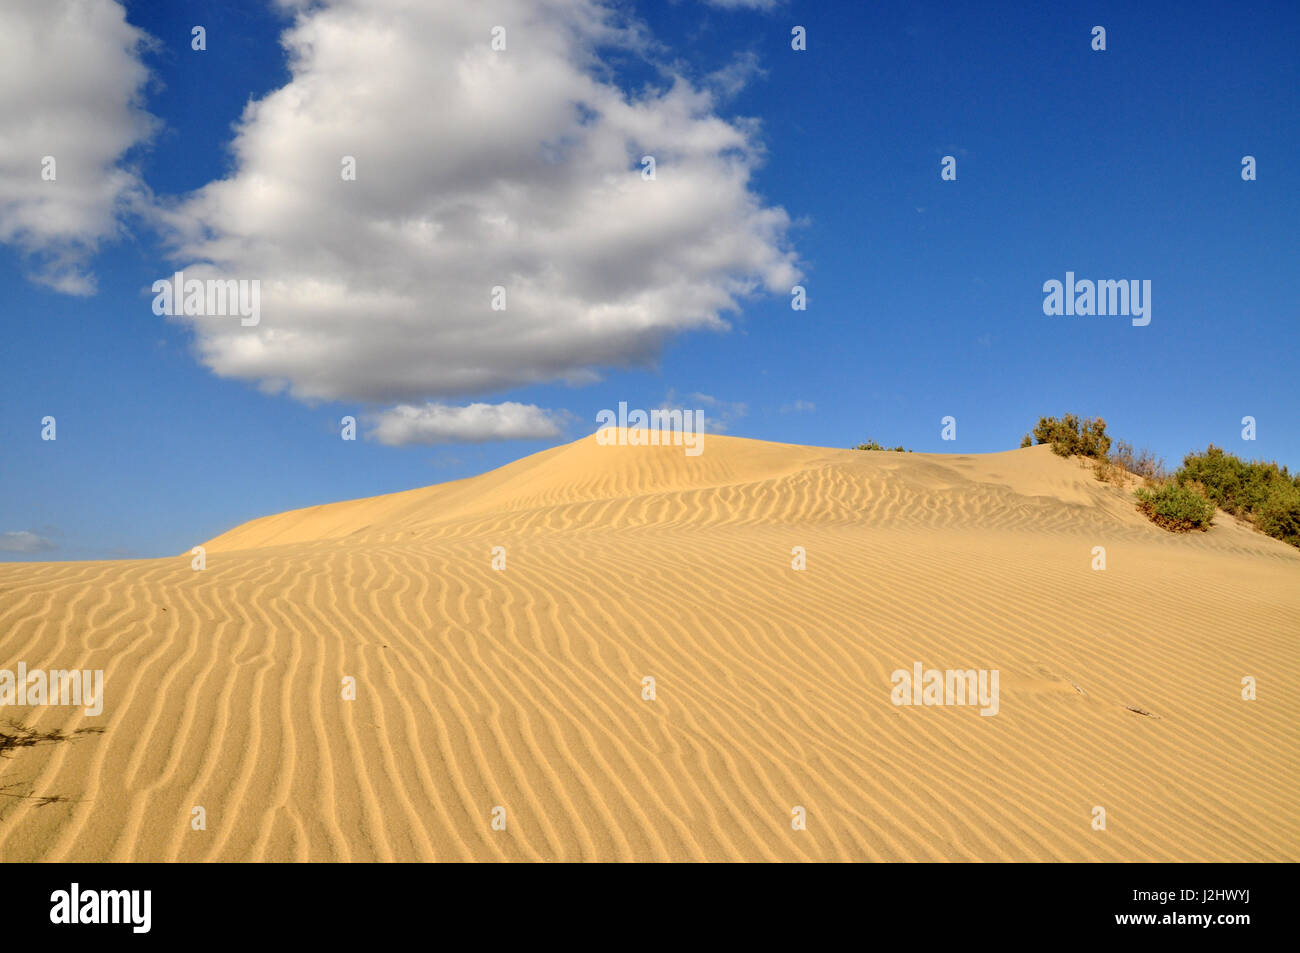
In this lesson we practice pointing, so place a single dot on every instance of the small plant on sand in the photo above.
(1026, 441)
(1142, 463)
(1070, 436)
(872, 445)
(1107, 472)
(1179, 508)
(15, 735)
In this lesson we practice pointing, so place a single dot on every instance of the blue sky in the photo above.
(924, 296)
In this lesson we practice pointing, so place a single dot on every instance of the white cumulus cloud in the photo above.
(475, 169)
(70, 82)
(434, 423)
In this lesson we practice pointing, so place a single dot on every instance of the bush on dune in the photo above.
(1235, 485)
(1069, 436)
(1176, 507)
(1263, 493)
(1279, 514)
(872, 445)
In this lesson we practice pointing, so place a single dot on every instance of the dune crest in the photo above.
(524, 687)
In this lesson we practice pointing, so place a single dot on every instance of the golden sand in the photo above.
(522, 688)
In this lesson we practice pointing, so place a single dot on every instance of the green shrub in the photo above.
(1266, 494)
(872, 445)
(1279, 514)
(1177, 507)
(1263, 493)
(1238, 487)
(1027, 441)
(1070, 436)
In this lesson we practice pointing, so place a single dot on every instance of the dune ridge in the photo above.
(522, 688)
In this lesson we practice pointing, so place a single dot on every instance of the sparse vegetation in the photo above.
(1265, 494)
(1124, 463)
(1177, 507)
(1142, 463)
(17, 735)
(1070, 437)
(872, 445)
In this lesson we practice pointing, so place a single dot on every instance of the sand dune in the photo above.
(522, 688)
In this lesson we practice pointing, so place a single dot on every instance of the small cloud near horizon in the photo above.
(744, 4)
(435, 423)
(721, 413)
(24, 541)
